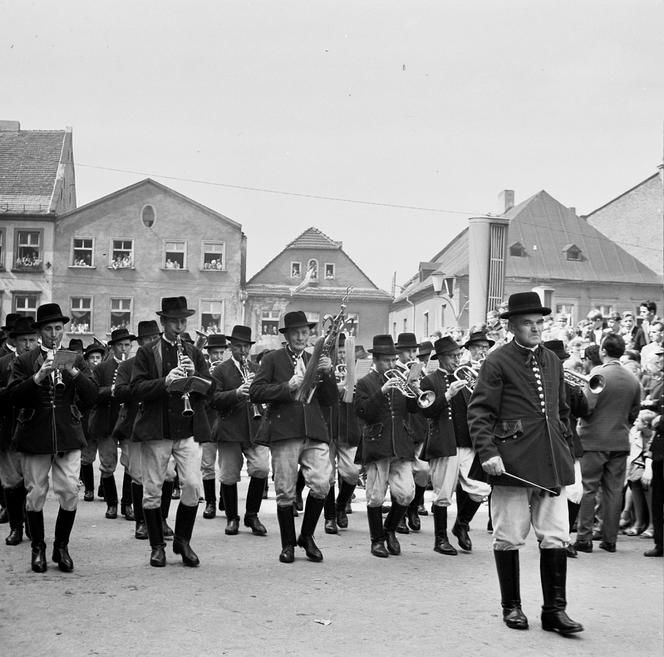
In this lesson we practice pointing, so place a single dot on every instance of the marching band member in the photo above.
(449, 450)
(296, 432)
(478, 345)
(49, 434)
(163, 430)
(234, 430)
(386, 447)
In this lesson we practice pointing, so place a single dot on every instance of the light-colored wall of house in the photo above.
(176, 219)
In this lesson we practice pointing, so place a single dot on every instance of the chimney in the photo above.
(572, 209)
(506, 198)
(9, 126)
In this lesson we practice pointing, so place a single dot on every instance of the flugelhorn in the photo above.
(405, 387)
(468, 375)
(594, 383)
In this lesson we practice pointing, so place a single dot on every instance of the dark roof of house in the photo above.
(312, 238)
(29, 161)
(547, 229)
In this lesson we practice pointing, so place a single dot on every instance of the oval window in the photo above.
(148, 216)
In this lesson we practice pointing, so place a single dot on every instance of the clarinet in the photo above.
(115, 376)
(58, 382)
(188, 411)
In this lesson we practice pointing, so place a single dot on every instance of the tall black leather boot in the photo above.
(299, 487)
(509, 578)
(394, 517)
(312, 511)
(126, 501)
(14, 498)
(402, 527)
(221, 499)
(153, 522)
(88, 479)
(553, 573)
(253, 505)
(63, 527)
(111, 496)
(441, 543)
(184, 528)
(210, 499)
(141, 531)
(466, 510)
(376, 532)
(287, 531)
(36, 521)
(229, 493)
(4, 516)
(346, 491)
(166, 497)
(330, 513)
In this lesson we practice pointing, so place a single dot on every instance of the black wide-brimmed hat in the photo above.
(75, 344)
(175, 308)
(407, 341)
(241, 334)
(216, 341)
(49, 312)
(524, 303)
(296, 319)
(444, 346)
(94, 348)
(21, 326)
(425, 348)
(557, 347)
(10, 320)
(478, 336)
(360, 352)
(148, 328)
(120, 334)
(383, 345)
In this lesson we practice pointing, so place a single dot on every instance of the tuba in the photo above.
(595, 384)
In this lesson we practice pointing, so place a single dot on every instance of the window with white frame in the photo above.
(80, 309)
(122, 254)
(214, 256)
(175, 254)
(121, 311)
(25, 303)
(426, 323)
(211, 315)
(329, 271)
(314, 317)
(28, 253)
(312, 266)
(295, 269)
(270, 322)
(82, 249)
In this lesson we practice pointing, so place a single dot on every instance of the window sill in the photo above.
(79, 332)
(116, 268)
(216, 271)
(28, 270)
(81, 267)
(173, 269)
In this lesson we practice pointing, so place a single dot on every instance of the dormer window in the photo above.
(518, 250)
(573, 253)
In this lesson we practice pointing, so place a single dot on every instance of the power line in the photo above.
(284, 193)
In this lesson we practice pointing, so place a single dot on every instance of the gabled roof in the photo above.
(547, 229)
(629, 191)
(312, 238)
(323, 292)
(29, 162)
(160, 187)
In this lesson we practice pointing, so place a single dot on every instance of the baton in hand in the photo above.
(530, 483)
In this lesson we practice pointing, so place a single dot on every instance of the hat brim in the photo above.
(295, 326)
(469, 342)
(176, 314)
(443, 353)
(540, 310)
(407, 346)
(94, 350)
(243, 340)
(49, 320)
(382, 352)
(131, 336)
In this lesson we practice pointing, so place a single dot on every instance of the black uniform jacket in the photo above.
(148, 386)
(441, 439)
(385, 431)
(124, 425)
(7, 413)
(344, 425)
(49, 421)
(510, 416)
(235, 421)
(104, 415)
(287, 418)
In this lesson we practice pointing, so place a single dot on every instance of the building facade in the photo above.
(312, 274)
(37, 184)
(115, 259)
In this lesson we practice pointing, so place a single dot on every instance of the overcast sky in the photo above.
(436, 105)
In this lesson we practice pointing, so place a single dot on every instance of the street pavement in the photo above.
(242, 601)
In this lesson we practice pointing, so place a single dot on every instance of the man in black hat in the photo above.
(102, 421)
(123, 433)
(166, 428)
(296, 432)
(386, 447)
(478, 345)
(449, 450)
(235, 431)
(48, 434)
(407, 350)
(518, 420)
(216, 345)
(23, 339)
(8, 346)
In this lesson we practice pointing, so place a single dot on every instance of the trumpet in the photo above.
(468, 374)
(187, 411)
(595, 383)
(248, 377)
(405, 387)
